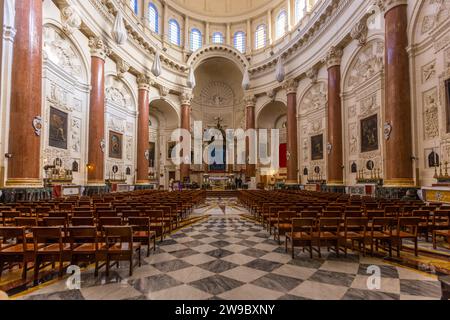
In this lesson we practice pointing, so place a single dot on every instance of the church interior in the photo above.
(225, 150)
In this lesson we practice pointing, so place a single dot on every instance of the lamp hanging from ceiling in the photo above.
(119, 32)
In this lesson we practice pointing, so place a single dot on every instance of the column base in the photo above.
(24, 183)
(399, 183)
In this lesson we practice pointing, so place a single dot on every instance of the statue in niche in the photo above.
(354, 168)
(75, 166)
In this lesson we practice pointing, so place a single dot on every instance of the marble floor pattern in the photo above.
(218, 206)
(229, 257)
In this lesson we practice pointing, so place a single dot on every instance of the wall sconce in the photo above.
(89, 166)
(8, 155)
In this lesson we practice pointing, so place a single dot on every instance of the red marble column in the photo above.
(26, 97)
(143, 134)
(334, 146)
(185, 169)
(250, 168)
(399, 168)
(99, 51)
(292, 147)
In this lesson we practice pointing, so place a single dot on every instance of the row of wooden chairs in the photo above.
(74, 245)
(331, 232)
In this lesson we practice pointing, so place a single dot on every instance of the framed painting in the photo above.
(369, 134)
(317, 147)
(115, 145)
(58, 129)
(151, 154)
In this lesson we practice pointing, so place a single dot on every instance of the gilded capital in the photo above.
(186, 98)
(250, 101)
(98, 48)
(334, 57)
(386, 5)
(291, 86)
(144, 82)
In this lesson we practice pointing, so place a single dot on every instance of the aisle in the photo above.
(230, 257)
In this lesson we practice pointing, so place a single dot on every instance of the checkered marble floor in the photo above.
(229, 257)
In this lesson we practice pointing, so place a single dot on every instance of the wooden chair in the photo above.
(9, 217)
(381, 230)
(26, 222)
(355, 229)
(83, 244)
(156, 222)
(82, 214)
(15, 249)
(119, 246)
(407, 228)
(301, 235)
(440, 225)
(49, 247)
(328, 234)
(142, 232)
(283, 224)
(424, 226)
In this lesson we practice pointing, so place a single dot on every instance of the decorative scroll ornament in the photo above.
(288, 155)
(280, 74)
(359, 32)
(122, 68)
(103, 145)
(119, 32)
(156, 67)
(387, 130)
(329, 148)
(147, 155)
(191, 83)
(37, 125)
(246, 80)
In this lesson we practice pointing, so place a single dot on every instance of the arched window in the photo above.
(174, 32)
(300, 6)
(260, 37)
(239, 41)
(153, 19)
(196, 40)
(281, 24)
(217, 37)
(134, 5)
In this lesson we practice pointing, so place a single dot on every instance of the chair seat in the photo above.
(53, 248)
(324, 235)
(85, 248)
(403, 234)
(17, 249)
(285, 226)
(380, 234)
(144, 234)
(118, 247)
(351, 235)
(299, 235)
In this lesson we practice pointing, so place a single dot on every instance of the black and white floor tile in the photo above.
(228, 257)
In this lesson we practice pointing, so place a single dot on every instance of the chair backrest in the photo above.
(82, 214)
(303, 225)
(82, 234)
(106, 214)
(83, 221)
(331, 214)
(44, 234)
(356, 222)
(154, 215)
(384, 223)
(126, 214)
(286, 216)
(15, 235)
(121, 234)
(372, 214)
(59, 214)
(353, 214)
(409, 222)
(106, 221)
(329, 224)
(55, 222)
(442, 217)
(26, 222)
(139, 223)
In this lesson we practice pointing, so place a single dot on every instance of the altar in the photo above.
(218, 183)
(436, 194)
